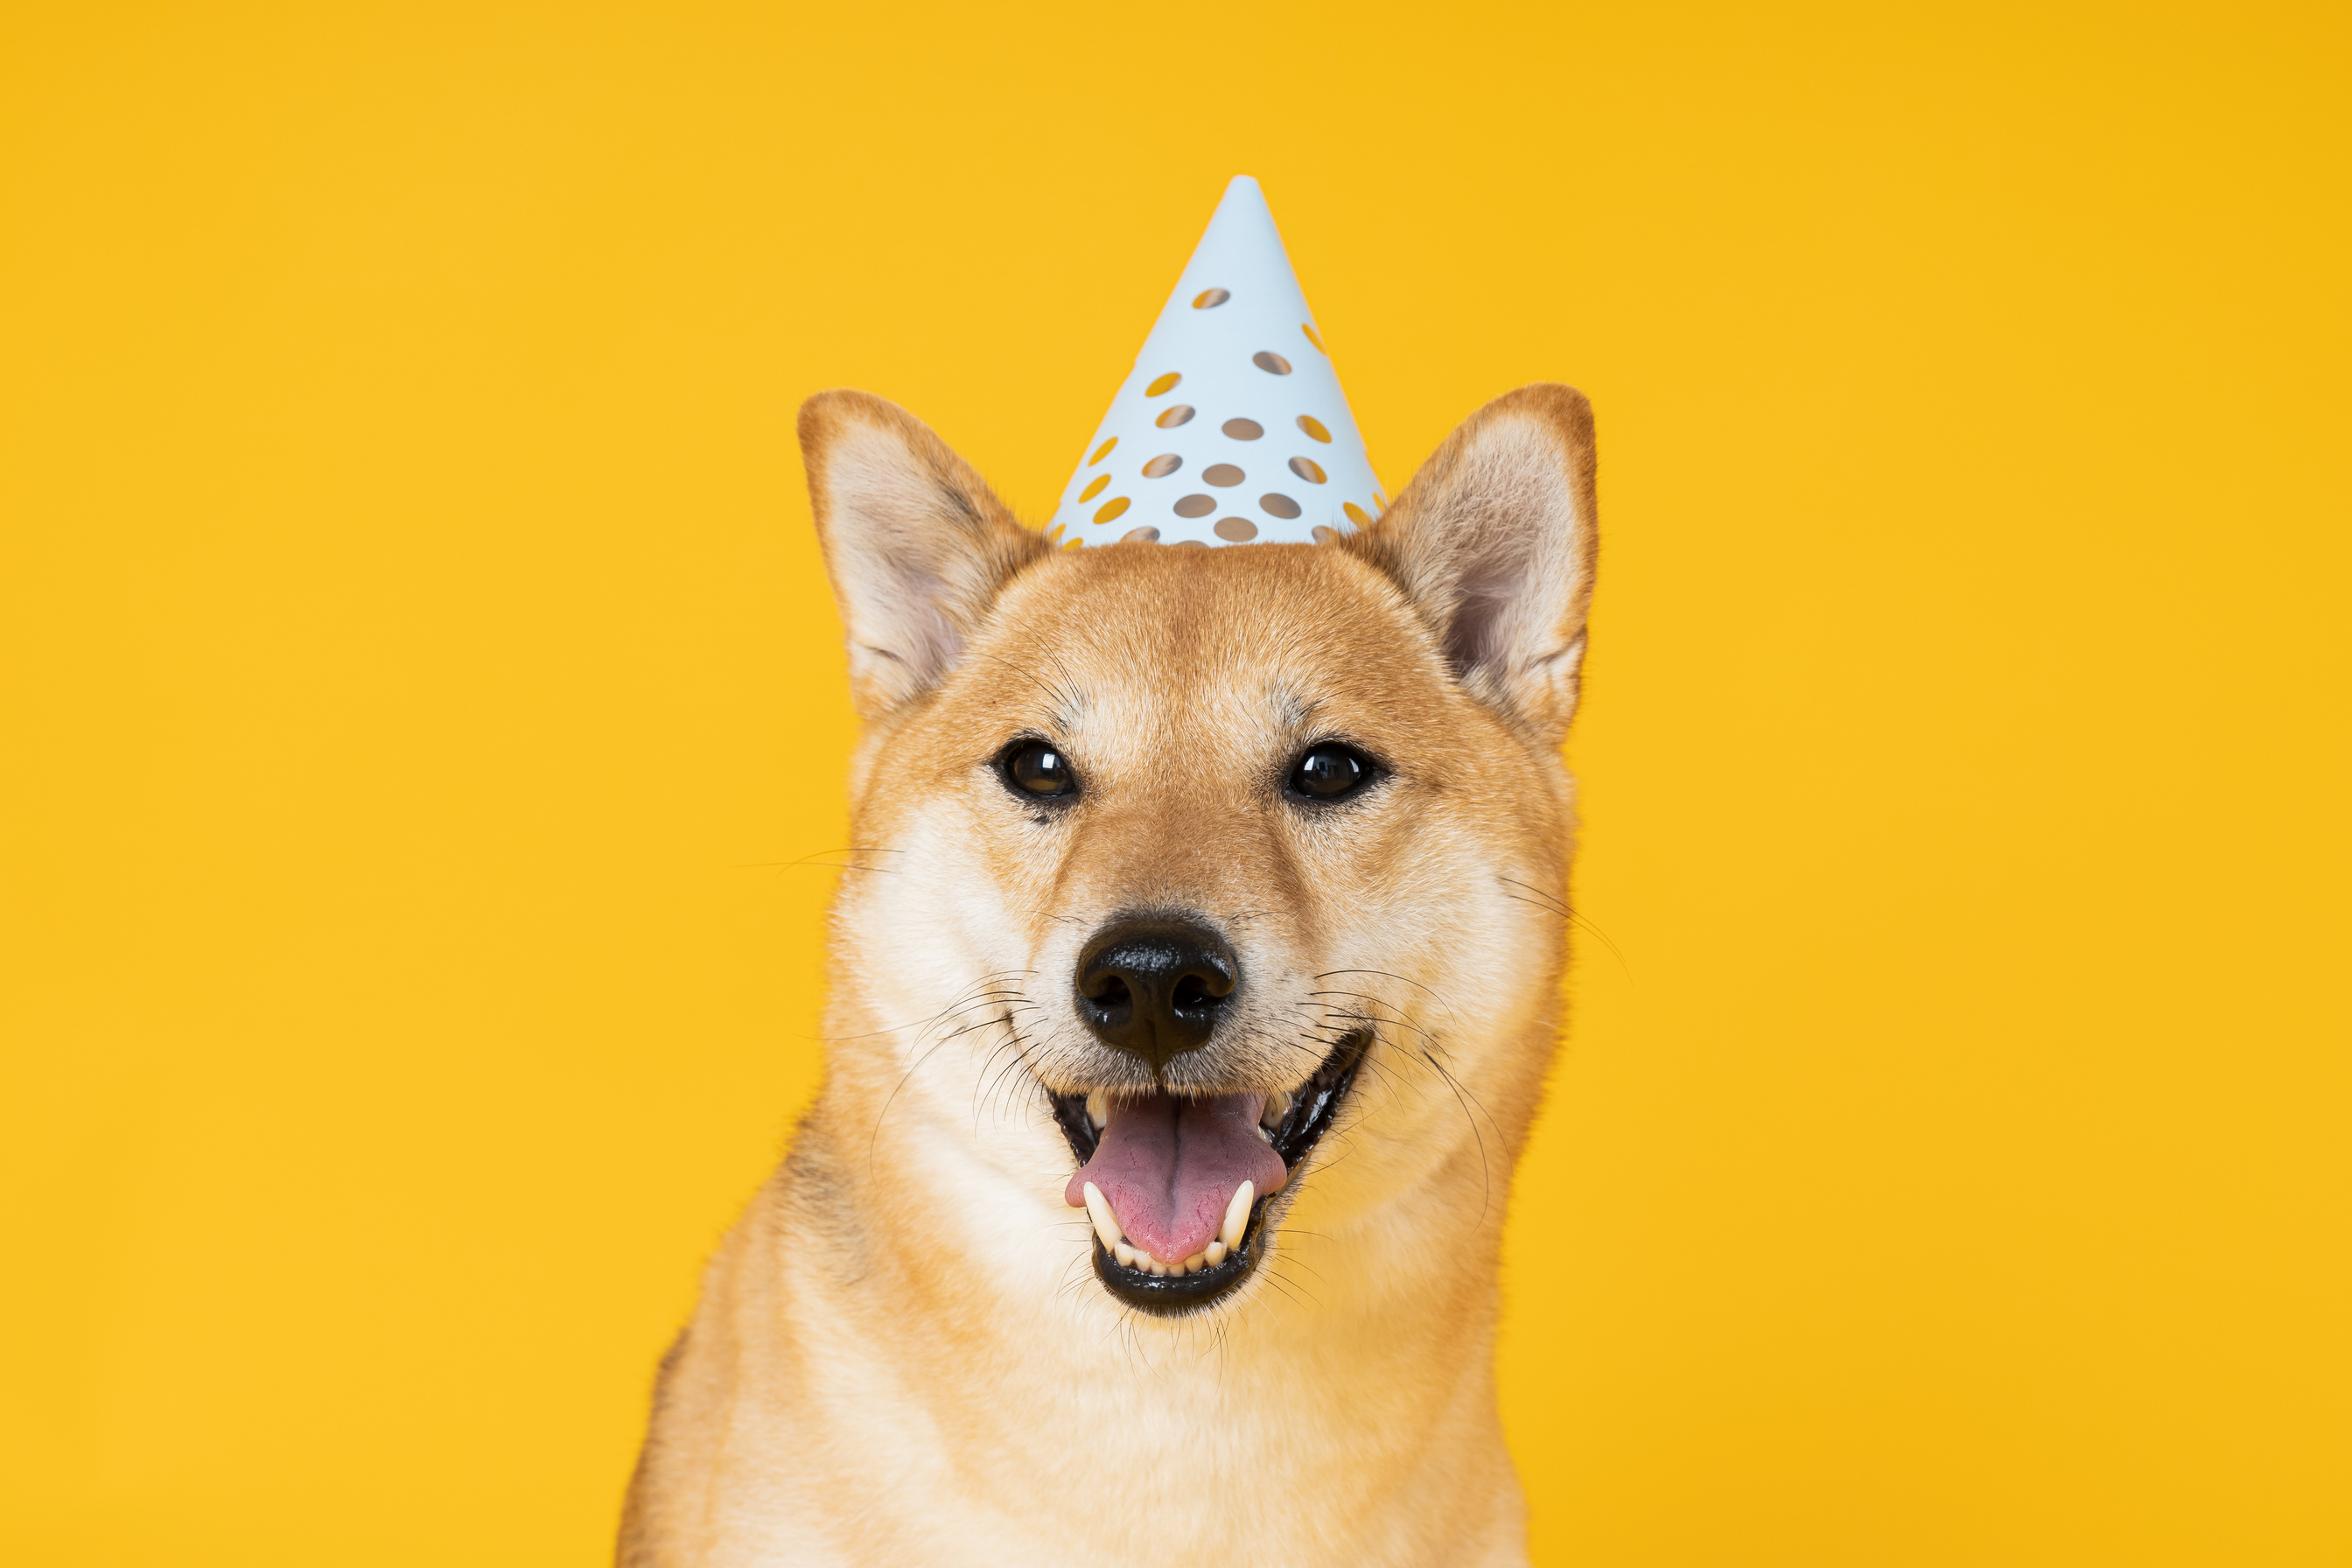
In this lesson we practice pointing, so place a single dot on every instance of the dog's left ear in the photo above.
(1492, 542)
(917, 545)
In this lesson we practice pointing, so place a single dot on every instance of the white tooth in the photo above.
(1099, 1109)
(1124, 1254)
(1215, 1252)
(1106, 1223)
(1237, 1214)
(1197, 1262)
(1266, 1133)
(1157, 1267)
(1278, 1106)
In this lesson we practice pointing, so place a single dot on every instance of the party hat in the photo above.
(1232, 429)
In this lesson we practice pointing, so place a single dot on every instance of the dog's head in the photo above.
(1186, 858)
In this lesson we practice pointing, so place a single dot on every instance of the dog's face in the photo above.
(1188, 859)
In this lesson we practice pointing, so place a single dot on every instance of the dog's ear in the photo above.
(916, 546)
(1492, 542)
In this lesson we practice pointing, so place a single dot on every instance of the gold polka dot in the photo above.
(1313, 426)
(1099, 483)
(1240, 530)
(1073, 541)
(1140, 536)
(1222, 474)
(1210, 299)
(1196, 506)
(1271, 363)
(1355, 514)
(1055, 532)
(1115, 507)
(1161, 467)
(1165, 384)
(1172, 418)
(1305, 468)
(1308, 327)
(1102, 451)
(1326, 535)
(1189, 543)
(1278, 504)
(1244, 429)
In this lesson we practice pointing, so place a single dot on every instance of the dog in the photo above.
(1193, 991)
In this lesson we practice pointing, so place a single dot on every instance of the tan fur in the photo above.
(901, 1355)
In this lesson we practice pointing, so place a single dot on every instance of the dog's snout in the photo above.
(1153, 988)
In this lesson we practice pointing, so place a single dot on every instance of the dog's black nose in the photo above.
(1153, 988)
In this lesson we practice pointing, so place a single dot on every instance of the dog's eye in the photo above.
(1038, 768)
(1329, 771)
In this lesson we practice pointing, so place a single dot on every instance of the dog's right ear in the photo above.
(916, 546)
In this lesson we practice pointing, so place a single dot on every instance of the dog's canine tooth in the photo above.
(1099, 1109)
(1215, 1252)
(1237, 1214)
(1105, 1223)
(1278, 1106)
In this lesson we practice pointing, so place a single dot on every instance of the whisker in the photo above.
(1557, 906)
(1462, 1093)
(1562, 909)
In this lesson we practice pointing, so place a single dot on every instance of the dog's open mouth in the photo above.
(1177, 1186)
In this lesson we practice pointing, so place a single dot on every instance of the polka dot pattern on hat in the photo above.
(1263, 448)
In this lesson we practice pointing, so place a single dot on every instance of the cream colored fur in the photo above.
(901, 1355)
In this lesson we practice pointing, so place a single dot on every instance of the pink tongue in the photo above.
(1169, 1166)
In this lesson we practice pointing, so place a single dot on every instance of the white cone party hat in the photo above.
(1232, 430)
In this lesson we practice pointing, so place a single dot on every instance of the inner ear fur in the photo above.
(1493, 542)
(917, 545)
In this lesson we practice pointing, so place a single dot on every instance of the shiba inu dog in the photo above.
(1193, 991)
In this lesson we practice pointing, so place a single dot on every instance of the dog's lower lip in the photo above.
(1312, 1108)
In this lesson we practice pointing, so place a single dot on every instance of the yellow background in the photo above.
(421, 694)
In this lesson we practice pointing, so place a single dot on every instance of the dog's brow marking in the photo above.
(1075, 701)
(1291, 710)
(1062, 699)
